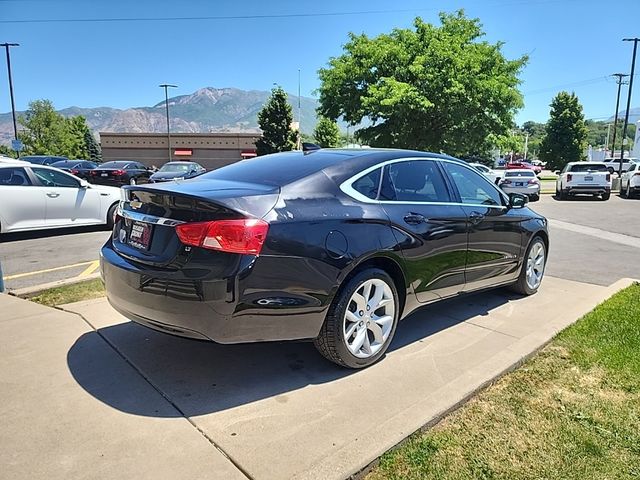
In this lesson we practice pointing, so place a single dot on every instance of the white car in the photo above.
(613, 164)
(35, 197)
(523, 181)
(14, 161)
(592, 178)
(493, 175)
(630, 181)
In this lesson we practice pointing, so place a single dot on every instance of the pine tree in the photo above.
(326, 133)
(275, 120)
(565, 132)
(93, 147)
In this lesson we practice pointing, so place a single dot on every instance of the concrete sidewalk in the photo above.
(107, 398)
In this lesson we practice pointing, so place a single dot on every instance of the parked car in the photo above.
(613, 164)
(43, 159)
(13, 161)
(523, 181)
(35, 197)
(592, 178)
(79, 168)
(121, 172)
(519, 165)
(493, 175)
(177, 171)
(630, 181)
(334, 246)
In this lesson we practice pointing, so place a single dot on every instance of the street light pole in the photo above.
(13, 105)
(620, 82)
(299, 115)
(166, 87)
(626, 114)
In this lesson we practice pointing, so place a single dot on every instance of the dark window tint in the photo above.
(114, 164)
(89, 165)
(472, 186)
(53, 178)
(414, 181)
(589, 167)
(368, 185)
(528, 173)
(13, 177)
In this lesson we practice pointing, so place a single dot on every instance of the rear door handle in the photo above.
(53, 195)
(476, 217)
(414, 219)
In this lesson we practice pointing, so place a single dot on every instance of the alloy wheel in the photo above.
(535, 265)
(369, 318)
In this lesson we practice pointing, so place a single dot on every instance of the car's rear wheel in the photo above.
(533, 268)
(629, 194)
(606, 196)
(535, 198)
(362, 320)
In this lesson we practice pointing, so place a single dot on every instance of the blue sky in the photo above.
(573, 44)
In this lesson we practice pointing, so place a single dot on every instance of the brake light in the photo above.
(93, 173)
(244, 236)
(73, 171)
(569, 177)
(119, 172)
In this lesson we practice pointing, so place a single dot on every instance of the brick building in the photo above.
(211, 150)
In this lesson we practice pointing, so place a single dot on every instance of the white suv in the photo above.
(630, 181)
(592, 178)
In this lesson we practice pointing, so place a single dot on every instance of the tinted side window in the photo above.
(53, 178)
(368, 184)
(414, 181)
(472, 186)
(13, 177)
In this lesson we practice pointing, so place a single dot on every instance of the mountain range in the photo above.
(205, 110)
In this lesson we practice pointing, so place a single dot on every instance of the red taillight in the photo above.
(93, 173)
(569, 177)
(73, 171)
(533, 181)
(244, 236)
(608, 177)
(119, 172)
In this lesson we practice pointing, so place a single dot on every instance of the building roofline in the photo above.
(178, 135)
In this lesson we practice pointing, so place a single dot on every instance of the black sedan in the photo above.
(334, 246)
(177, 171)
(121, 172)
(79, 168)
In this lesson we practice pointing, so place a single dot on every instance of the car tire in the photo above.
(525, 285)
(345, 328)
(535, 198)
(562, 195)
(629, 194)
(611, 170)
(111, 216)
(606, 196)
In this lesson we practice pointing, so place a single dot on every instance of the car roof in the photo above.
(519, 170)
(585, 163)
(280, 169)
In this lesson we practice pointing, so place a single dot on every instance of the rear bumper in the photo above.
(529, 190)
(108, 182)
(593, 189)
(248, 306)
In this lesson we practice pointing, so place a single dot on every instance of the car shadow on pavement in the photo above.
(203, 377)
(578, 198)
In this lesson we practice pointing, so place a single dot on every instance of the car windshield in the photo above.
(177, 167)
(589, 167)
(64, 164)
(520, 174)
(114, 164)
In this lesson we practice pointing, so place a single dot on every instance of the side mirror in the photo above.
(84, 183)
(517, 200)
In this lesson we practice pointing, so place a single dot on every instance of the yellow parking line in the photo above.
(46, 270)
(90, 269)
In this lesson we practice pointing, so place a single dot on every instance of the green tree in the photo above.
(6, 151)
(536, 133)
(432, 87)
(75, 144)
(327, 133)
(275, 120)
(565, 134)
(44, 129)
(93, 147)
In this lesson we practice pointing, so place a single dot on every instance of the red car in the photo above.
(520, 164)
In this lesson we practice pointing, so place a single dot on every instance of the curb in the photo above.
(28, 292)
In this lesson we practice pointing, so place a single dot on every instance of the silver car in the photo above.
(522, 181)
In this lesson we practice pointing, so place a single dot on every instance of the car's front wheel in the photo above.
(533, 267)
(361, 321)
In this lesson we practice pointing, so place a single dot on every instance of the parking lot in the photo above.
(592, 241)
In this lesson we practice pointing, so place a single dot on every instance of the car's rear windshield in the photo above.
(589, 167)
(527, 173)
(65, 164)
(114, 164)
(177, 167)
(278, 169)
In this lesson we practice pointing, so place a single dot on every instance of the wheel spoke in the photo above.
(377, 332)
(352, 317)
(357, 343)
(374, 302)
(360, 301)
(366, 345)
(350, 331)
(367, 292)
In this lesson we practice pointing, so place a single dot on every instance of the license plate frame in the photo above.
(140, 235)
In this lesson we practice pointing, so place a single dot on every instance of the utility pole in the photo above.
(606, 143)
(13, 105)
(299, 115)
(166, 87)
(526, 145)
(626, 114)
(620, 82)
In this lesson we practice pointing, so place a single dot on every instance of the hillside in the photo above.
(205, 110)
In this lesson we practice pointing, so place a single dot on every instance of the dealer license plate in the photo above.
(140, 235)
